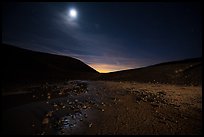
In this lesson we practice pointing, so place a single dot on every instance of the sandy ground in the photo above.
(104, 107)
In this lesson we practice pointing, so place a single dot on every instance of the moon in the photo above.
(73, 13)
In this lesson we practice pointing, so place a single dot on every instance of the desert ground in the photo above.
(102, 108)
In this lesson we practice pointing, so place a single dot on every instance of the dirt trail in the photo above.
(104, 107)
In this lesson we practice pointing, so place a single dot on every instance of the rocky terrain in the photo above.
(182, 72)
(103, 107)
(47, 94)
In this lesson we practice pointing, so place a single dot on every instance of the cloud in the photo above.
(108, 63)
(95, 49)
(68, 37)
(95, 43)
(69, 21)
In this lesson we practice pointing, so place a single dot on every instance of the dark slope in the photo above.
(185, 72)
(25, 66)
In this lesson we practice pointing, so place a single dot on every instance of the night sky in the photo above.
(107, 36)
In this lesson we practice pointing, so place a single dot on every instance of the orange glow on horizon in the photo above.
(106, 68)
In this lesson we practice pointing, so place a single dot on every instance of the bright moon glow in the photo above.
(73, 13)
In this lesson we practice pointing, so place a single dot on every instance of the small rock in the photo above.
(114, 99)
(85, 115)
(66, 119)
(49, 114)
(156, 111)
(43, 133)
(72, 125)
(60, 93)
(33, 125)
(90, 125)
(45, 121)
(73, 116)
(72, 107)
(102, 110)
(185, 117)
(84, 107)
(62, 132)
